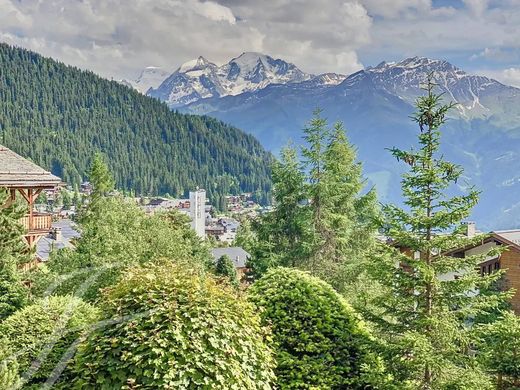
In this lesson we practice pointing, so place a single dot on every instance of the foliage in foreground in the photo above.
(9, 378)
(319, 340)
(54, 322)
(116, 234)
(499, 349)
(184, 331)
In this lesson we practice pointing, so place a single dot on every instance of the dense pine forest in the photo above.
(59, 116)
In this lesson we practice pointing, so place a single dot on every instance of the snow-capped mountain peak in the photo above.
(405, 79)
(196, 64)
(151, 77)
(200, 78)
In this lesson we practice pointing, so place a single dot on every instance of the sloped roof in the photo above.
(46, 244)
(16, 171)
(493, 236)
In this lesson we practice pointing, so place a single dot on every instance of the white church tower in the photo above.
(197, 212)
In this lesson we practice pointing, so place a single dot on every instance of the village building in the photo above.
(238, 256)
(26, 180)
(62, 235)
(508, 260)
(198, 212)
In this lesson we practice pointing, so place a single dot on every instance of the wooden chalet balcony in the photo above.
(41, 222)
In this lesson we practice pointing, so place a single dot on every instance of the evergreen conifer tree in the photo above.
(346, 220)
(226, 269)
(499, 349)
(322, 221)
(425, 314)
(283, 235)
(100, 177)
(13, 251)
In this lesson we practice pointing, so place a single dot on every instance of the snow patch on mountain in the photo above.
(406, 78)
(151, 77)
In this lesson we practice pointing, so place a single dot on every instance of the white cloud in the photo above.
(396, 8)
(120, 37)
(476, 7)
(509, 76)
(212, 11)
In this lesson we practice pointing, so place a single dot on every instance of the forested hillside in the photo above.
(59, 116)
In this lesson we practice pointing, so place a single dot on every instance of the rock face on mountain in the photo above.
(200, 79)
(482, 133)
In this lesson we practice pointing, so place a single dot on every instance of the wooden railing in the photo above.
(40, 221)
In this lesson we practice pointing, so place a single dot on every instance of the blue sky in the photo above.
(118, 38)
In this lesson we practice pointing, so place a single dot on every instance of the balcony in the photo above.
(41, 222)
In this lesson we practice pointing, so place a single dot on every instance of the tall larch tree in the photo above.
(100, 177)
(345, 223)
(322, 218)
(283, 234)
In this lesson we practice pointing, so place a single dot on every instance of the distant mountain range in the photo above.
(273, 100)
(201, 79)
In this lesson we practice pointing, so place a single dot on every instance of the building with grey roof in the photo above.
(237, 255)
(61, 235)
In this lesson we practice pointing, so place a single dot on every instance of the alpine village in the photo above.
(242, 224)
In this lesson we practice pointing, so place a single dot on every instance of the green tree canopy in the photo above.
(183, 330)
(225, 268)
(100, 177)
(319, 340)
(323, 218)
(52, 323)
(499, 349)
(116, 234)
(13, 252)
(9, 378)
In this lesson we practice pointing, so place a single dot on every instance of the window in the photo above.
(497, 265)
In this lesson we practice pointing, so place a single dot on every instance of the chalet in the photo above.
(508, 260)
(23, 178)
(215, 231)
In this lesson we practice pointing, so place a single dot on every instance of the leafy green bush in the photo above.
(9, 377)
(117, 234)
(183, 331)
(57, 320)
(320, 341)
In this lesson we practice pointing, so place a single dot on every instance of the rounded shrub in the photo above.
(177, 329)
(319, 341)
(52, 323)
